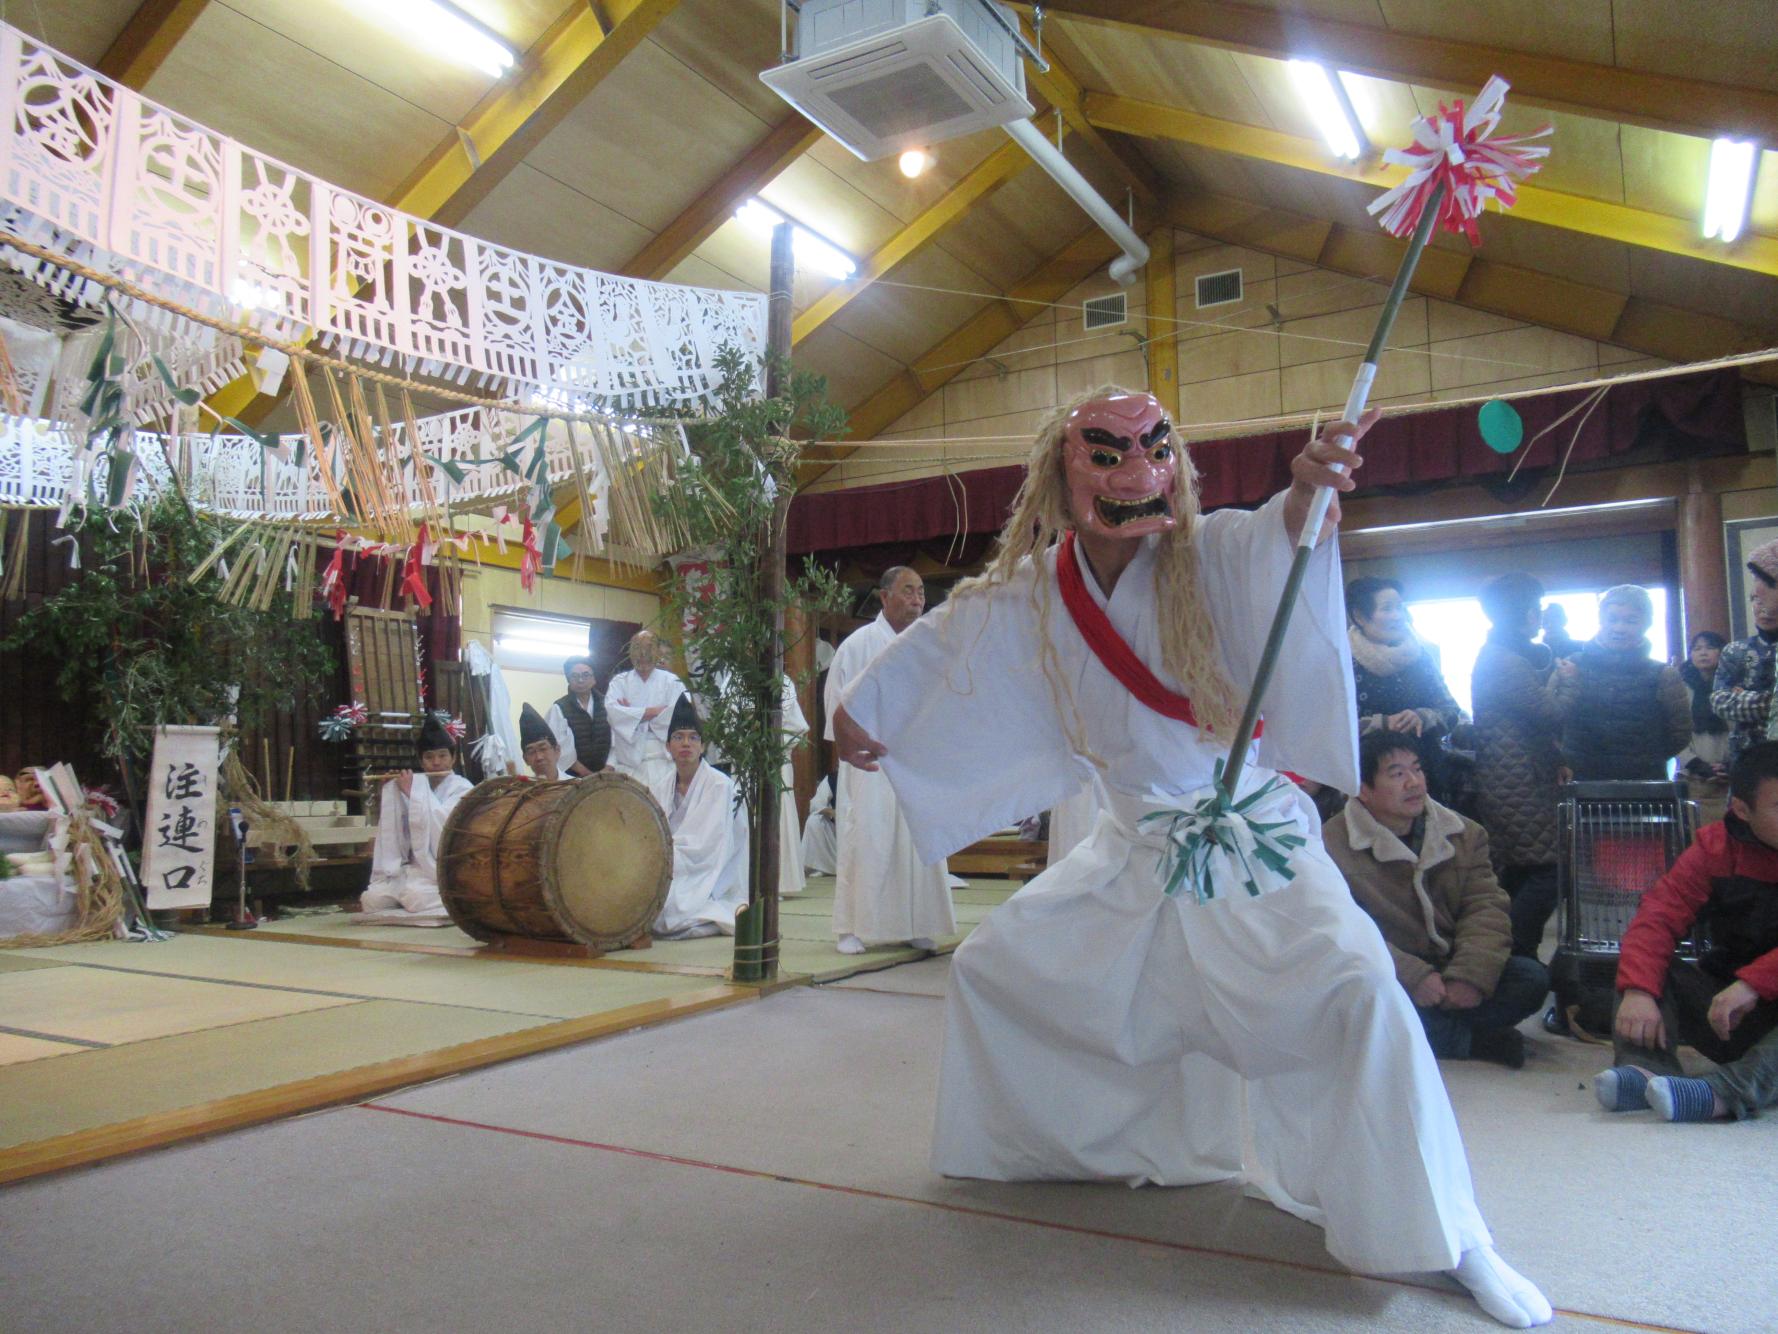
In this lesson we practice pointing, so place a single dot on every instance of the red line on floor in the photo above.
(973, 1211)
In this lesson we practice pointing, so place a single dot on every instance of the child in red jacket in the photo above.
(1726, 1004)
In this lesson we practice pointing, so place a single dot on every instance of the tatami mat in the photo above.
(11, 962)
(16, 1048)
(83, 1090)
(96, 1005)
(538, 990)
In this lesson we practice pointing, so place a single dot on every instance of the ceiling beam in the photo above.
(147, 39)
(1593, 217)
(980, 334)
(559, 71)
(784, 144)
(1634, 97)
(562, 67)
(988, 175)
(1606, 316)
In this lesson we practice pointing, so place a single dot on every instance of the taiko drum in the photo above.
(587, 861)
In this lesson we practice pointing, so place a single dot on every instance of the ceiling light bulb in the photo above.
(1330, 110)
(913, 162)
(1732, 166)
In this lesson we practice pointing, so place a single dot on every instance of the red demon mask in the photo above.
(1119, 456)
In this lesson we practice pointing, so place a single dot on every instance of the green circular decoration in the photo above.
(1501, 426)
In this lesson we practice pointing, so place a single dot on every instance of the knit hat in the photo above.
(1763, 561)
(1629, 595)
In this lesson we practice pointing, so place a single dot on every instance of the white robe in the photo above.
(791, 873)
(639, 748)
(1098, 1029)
(890, 884)
(818, 832)
(704, 887)
(404, 863)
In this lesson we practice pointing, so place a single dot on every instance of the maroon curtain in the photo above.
(1702, 411)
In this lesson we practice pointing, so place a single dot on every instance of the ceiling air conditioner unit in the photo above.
(884, 76)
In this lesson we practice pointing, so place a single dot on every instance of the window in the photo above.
(1456, 628)
(537, 641)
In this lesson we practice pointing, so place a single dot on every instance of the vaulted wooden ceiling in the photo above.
(631, 129)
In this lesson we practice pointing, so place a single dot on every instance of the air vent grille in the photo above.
(1105, 312)
(1219, 289)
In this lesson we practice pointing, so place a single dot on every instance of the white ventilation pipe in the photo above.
(1049, 157)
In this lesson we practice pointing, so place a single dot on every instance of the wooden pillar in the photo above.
(1162, 347)
(1702, 578)
(799, 665)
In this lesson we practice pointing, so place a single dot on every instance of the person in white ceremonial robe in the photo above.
(639, 706)
(887, 887)
(791, 872)
(415, 806)
(699, 800)
(1097, 1026)
(819, 843)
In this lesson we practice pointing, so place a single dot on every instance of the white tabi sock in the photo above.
(851, 945)
(1501, 1290)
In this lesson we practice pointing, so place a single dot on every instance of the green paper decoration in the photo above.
(1502, 428)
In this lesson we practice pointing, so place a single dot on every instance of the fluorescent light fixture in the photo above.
(1732, 166)
(812, 250)
(447, 30)
(914, 161)
(1331, 109)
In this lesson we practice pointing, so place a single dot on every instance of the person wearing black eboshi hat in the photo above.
(414, 808)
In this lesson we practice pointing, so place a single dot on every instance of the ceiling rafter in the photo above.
(147, 39)
(1617, 318)
(988, 175)
(560, 70)
(557, 74)
(1634, 97)
(981, 333)
(784, 144)
(1575, 213)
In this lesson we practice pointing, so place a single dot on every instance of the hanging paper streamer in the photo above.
(1501, 426)
(531, 560)
(1456, 149)
(338, 725)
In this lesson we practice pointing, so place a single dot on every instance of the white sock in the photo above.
(1501, 1290)
(921, 942)
(851, 945)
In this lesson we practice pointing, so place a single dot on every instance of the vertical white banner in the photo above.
(179, 844)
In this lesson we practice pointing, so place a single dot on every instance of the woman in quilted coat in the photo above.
(1400, 685)
(1626, 714)
(1519, 714)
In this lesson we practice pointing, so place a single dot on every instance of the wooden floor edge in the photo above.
(160, 1129)
(456, 952)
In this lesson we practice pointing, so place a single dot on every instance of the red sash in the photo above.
(1109, 647)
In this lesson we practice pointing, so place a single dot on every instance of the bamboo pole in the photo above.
(1305, 547)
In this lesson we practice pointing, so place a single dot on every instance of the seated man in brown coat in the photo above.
(1421, 871)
